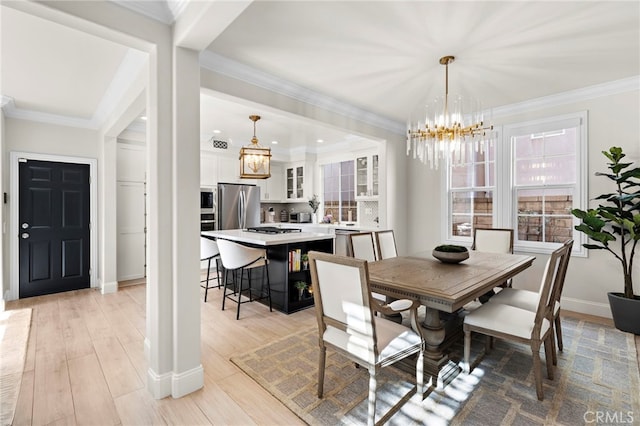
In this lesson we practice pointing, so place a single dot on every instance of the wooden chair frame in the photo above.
(368, 306)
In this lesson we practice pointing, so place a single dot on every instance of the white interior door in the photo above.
(131, 231)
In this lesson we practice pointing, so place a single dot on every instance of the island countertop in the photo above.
(258, 239)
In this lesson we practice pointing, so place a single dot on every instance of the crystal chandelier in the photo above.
(449, 130)
(255, 160)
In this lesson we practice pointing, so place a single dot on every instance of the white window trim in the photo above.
(504, 214)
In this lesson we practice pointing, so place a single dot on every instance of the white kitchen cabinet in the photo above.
(366, 176)
(297, 179)
(229, 170)
(208, 169)
(271, 189)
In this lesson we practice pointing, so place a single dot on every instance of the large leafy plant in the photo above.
(616, 222)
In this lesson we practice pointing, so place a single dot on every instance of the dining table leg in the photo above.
(436, 362)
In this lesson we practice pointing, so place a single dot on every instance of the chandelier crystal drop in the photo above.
(449, 130)
(255, 160)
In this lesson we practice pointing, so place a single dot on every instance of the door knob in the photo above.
(24, 235)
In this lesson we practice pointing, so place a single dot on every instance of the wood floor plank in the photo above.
(119, 373)
(182, 411)
(52, 391)
(257, 402)
(24, 405)
(92, 399)
(138, 408)
(219, 407)
(30, 358)
(135, 352)
(77, 340)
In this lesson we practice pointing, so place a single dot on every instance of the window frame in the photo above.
(505, 209)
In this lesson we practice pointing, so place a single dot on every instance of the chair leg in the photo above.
(467, 352)
(372, 396)
(218, 272)
(321, 363)
(552, 339)
(420, 375)
(558, 331)
(206, 289)
(240, 292)
(549, 350)
(266, 269)
(537, 367)
(224, 291)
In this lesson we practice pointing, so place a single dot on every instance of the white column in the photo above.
(188, 374)
(108, 229)
(159, 338)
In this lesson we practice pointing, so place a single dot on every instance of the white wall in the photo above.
(613, 121)
(31, 136)
(4, 213)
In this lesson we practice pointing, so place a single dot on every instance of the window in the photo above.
(529, 179)
(339, 193)
(472, 185)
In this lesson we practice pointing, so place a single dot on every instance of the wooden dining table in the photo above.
(443, 288)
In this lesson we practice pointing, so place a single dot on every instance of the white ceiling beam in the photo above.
(202, 22)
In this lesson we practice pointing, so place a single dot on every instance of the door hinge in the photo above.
(89, 226)
(89, 271)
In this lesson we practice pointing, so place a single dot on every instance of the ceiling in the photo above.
(374, 56)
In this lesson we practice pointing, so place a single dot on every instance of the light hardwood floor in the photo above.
(85, 363)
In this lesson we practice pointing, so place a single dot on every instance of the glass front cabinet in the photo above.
(367, 182)
(295, 182)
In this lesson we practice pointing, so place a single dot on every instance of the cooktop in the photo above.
(272, 230)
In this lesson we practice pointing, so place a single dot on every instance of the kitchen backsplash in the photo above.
(368, 211)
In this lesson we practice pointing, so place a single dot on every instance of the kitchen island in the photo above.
(284, 251)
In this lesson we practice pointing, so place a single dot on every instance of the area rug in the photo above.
(14, 334)
(596, 378)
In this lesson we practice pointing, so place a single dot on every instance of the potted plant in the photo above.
(301, 286)
(615, 227)
(305, 261)
(314, 203)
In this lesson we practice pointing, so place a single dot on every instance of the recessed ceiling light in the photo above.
(274, 142)
(217, 131)
(320, 141)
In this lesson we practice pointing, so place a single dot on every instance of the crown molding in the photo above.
(230, 68)
(165, 11)
(578, 95)
(130, 67)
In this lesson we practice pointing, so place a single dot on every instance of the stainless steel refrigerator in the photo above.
(238, 206)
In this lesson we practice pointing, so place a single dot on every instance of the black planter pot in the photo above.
(626, 312)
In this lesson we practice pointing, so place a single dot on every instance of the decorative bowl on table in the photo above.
(450, 253)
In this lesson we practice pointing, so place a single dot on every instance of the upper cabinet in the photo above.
(271, 189)
(297, 182)
(366, 176)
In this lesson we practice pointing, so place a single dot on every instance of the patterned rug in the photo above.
(14, 334)
(596, 378)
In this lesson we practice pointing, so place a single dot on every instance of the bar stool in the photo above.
(237, 258)
(208, 251)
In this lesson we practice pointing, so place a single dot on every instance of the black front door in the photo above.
(54, 227)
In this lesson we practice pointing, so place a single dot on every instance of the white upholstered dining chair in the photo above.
(520, 325)
(386, 244)
(493, 240)
(347, 324)
(527, 299)
(361, 246)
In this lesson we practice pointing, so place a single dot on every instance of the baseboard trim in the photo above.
(111, 287)
(586, 307)
(190, 381)
(159, 385)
